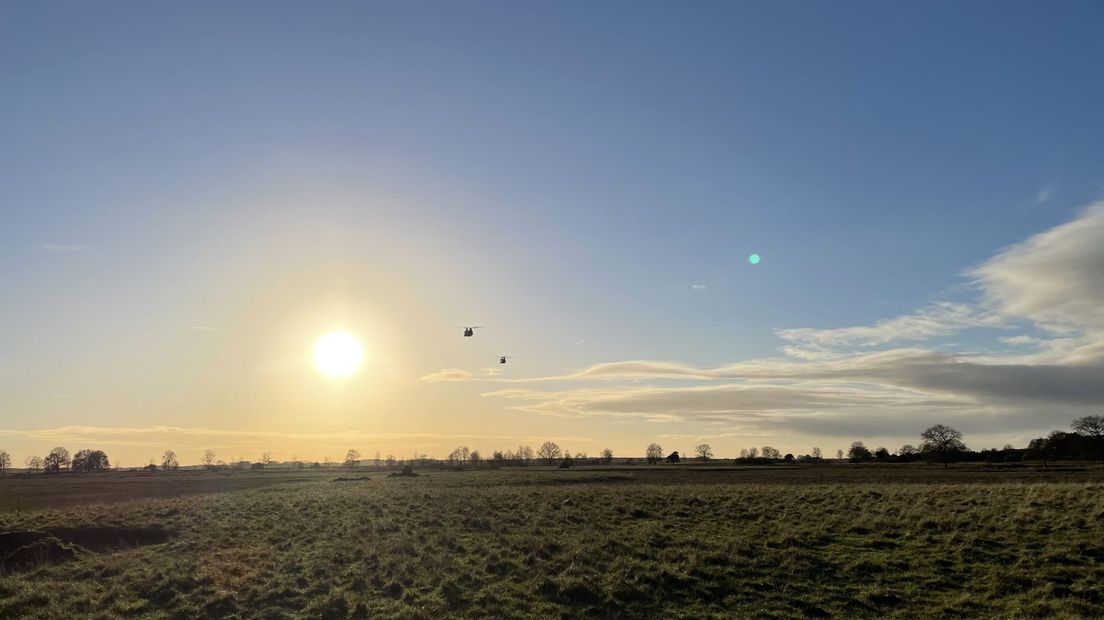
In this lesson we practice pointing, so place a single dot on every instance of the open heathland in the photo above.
(684, 541)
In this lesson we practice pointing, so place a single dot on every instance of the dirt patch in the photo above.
(24, 549)
(108, 538)
(356, 479)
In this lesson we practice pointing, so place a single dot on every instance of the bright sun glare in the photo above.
(338, 355)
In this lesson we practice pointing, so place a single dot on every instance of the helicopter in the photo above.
(470, 331)
(502, 358)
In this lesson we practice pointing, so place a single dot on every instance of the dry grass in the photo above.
(602, 543)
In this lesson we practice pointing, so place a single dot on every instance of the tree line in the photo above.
(939, 443)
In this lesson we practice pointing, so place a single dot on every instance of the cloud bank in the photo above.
(1045, 296)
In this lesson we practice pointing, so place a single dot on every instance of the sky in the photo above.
(192, 193)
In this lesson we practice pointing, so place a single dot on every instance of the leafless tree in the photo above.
(5, 462)
(169, 461)
(771, 453)
(549, 453)
(816, 453)
(653, 453)
(266, 459)
(704, 451)
(839, 454)
(607, 456)
(525, 454)
(352, 458)
(475, 458)
(753, 453)
(56, 460)
(1092, 426)
(209, 458)
(942, 442)
(33, 463)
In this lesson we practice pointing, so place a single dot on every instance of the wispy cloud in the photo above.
(449, 374)
(1044, 194)
(698, 287)
(62, 247)
(201, 328)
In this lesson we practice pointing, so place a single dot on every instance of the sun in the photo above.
(338, 355)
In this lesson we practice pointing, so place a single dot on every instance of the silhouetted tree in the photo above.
(1092, 426)
(907, 450)
(704, 452)
(475, 458)
(33, 463)
(771, 453)
(881, 454)
(653, 453)
(57, 459)
(942, 442)
(789, 458)
(607, 456)
(209, 458)
(549, 453)
(5, 462)
(752, 452)
(859, 452)
(266, 459)
(352, 458)
(839, 454)
(525, 454)
(816, 454)
(169, 461)
(89, 461)
(390, 460)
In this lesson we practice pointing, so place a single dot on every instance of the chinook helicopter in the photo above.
(470, 331)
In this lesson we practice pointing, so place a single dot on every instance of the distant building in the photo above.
(673, 457)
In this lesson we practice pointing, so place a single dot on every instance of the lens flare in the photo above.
(754, 259)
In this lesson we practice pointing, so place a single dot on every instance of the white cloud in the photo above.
(449, 374)
(698, 287)
(831, 382)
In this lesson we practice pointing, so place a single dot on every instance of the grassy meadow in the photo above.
(680, 541)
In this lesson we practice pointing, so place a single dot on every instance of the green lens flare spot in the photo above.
(754, 259)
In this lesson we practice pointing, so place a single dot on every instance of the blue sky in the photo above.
(559, 171)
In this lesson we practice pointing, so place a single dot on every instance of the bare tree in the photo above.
(549, 453)
(942, 442)
(390, 460)
(169, 461)
(771, 453)
(525, 454)
(379, 461)
(907, 450)
(1092, 426)
(817, 454)
(33, 463)
(266, 458)
(704, 451)
(753, 452)
(352, 458)
(653, 453)
(5, 462)
(839, 454)
(475, 458)
(57, 459)
(607, 456)
(209, 458)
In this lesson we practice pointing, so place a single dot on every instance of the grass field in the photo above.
(773, 542)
